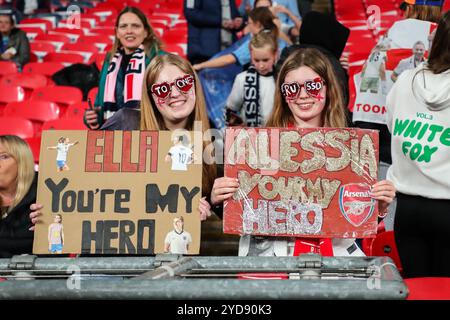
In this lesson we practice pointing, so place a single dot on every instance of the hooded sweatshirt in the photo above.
(419, 121)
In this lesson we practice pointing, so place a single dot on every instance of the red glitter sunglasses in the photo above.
(184, 84)
(291, 90)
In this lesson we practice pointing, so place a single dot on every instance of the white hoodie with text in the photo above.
(418, 109)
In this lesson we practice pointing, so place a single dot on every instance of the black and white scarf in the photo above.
(251, 98)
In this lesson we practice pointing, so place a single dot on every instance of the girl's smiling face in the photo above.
(306, 108)
(177, 105)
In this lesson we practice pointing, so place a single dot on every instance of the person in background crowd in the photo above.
(212, 27)
(135, 45)
(418, 56)
(260, 19)
(419, 120)
(14, 45)
(251, 98)
(286, 10)
(18, 187)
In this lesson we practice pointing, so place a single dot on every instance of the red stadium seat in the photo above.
(98, 59)
(100, 41)
(64, 57)
(76, 110)
(80, 47)
(36, 111)
(10, 94)
(171, 36)
(59, 38)
(7, 67)
(42, 47)
(34, 21)
(32, 32)
(104, 31)
(27, 81)
(35, 146)
(61, 95)
(16, 126)
(428, 288)
(65, 124)
(44, 68)
(176, 49)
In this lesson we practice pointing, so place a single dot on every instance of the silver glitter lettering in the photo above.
(318, 160)
(257, 216)
(287, 151)
(334, 139)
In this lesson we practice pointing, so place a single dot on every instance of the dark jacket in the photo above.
(18, 39)
(204, 28)
(15, 238)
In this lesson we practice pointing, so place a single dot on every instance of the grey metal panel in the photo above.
(177, 277)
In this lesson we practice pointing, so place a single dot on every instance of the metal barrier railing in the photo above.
(178, 277)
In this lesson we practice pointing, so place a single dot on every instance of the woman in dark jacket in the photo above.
(14, 45)
(18, 184)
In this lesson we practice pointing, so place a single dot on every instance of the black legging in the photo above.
(422, 234)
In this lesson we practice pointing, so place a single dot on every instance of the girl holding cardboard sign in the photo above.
(172, 98)
(307, 96)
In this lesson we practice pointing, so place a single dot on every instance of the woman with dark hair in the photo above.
(14, 45)
(18, 184)
(135, 45)
(419, 121)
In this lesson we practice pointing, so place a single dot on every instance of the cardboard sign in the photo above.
(403, 47)
(118, 192)
(302, 182)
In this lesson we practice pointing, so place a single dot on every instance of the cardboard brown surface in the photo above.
(108, 192)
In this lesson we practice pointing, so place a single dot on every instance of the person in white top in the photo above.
(411, 62)
(419, 121)
(178, 240)
(180, 154)
(62, 149)
(374, 69)
(253, 90)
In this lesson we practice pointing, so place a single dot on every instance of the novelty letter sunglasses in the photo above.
(184, 84)
(291, 90)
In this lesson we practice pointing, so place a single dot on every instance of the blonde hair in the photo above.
(151, 42)
(334, 113)
(262, 39)
(21, 152)
(151, 118)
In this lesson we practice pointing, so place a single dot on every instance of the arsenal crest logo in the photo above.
(355, 203)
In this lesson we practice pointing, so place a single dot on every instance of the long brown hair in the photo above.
(439, 58)
(151, 42)
(151, 118)
(334, 112)
(21, 152)
(425, 13)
